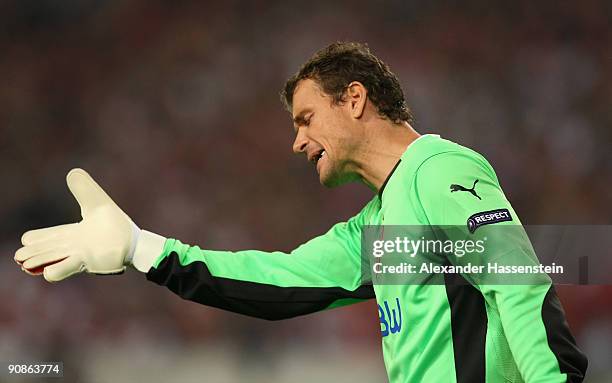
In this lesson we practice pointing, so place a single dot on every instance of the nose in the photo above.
(299, 145)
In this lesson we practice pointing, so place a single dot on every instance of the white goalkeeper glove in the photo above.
(104, 242)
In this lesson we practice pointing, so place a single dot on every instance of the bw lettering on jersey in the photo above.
(390, 323)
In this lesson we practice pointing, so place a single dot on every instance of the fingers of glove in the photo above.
(39, 269)
(87, 192)
(48, 233)
(43, 260)
(62, 270)
(27, 252)
(36, 271)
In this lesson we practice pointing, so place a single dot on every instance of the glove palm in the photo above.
(101, 243)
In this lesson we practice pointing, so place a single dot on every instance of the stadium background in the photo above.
(175, 110)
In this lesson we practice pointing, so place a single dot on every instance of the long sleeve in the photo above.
(322, 273)
(529, 313)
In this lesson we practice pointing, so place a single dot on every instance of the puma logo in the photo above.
(455, 187)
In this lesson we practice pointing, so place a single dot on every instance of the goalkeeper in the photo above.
(352, 123)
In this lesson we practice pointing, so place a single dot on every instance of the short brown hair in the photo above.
(334, 67)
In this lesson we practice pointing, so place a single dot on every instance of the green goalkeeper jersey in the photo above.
(445, 332)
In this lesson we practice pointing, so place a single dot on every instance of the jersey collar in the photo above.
(418, 141)
(382, 188)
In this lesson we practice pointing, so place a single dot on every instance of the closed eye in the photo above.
(302, 120)
(307, 119)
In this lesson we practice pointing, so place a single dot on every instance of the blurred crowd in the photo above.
(174, 109)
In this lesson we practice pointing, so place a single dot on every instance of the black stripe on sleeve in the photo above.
(194, 282)
(571, 360)
(469, 328)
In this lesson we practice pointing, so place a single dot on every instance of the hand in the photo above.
(102, 243)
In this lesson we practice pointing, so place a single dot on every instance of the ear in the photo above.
(356, 98)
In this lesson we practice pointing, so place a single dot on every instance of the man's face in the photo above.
(325, 132)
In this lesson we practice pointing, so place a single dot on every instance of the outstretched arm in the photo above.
(319, 274)
(325, 272)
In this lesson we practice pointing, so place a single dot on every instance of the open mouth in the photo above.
(317, 156)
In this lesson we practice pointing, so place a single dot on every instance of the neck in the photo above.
(382, 150)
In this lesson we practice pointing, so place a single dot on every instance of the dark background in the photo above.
(174, 109)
